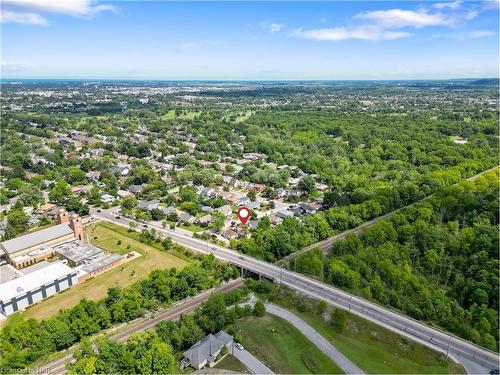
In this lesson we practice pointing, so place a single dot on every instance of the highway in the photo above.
(474, 358)
(174, 312)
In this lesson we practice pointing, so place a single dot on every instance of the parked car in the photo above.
(239, 346)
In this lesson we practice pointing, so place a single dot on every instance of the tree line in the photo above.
(436, 261)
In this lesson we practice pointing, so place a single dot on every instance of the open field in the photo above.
(282, 347)
(375, 349)
(233, 364)
(124, 275)
(170, 115)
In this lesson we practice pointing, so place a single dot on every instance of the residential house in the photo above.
(136, 189)
(280, 193)
(244, 201)
(167, 210)
(284, 213)
(186, 218)
(93, 175)
(107, 198)
(253, 205)
(205, 219)
(123, 193)
(225, 210)
(230, 234)
(207, 350)
(148, 205)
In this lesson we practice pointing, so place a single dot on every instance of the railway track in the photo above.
(172, 313)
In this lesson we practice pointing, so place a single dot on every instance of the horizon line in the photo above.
(246, 79)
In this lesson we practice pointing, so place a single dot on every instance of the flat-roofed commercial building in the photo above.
(35, 286)
(99, 265)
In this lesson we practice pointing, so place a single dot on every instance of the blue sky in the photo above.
(249, 40)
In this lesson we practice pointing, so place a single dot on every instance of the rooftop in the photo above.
(77, 251)
(33, 280)
(36, 238)
(102, 261)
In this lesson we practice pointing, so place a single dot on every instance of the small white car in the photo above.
(239, 346)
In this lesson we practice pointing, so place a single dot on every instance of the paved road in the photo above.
(253, 364)
(174, 312)
(341, 360)
(326, 244)
(473, 357)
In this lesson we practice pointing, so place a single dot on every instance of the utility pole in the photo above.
(448, 350)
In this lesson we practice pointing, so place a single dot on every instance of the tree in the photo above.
(252, 195)
(157, 214)
(307, 185)
(167, 243)
(339, 320)
(211, 315)
(60, 192)
(132, 225)
(259, 309)
(17, 223)
(157, 359)
(129, 202)
(95, 196)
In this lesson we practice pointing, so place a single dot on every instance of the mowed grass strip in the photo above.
(282, 347)
(233, 364)
(111, 238)
(377, 350)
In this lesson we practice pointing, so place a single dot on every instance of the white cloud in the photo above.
(398, 18)
(190, 45)
(387, 24)
(370, 32)
(481, 33)
(448, 5)
(30, 11)
(275, 27)
(491, 4)
(22, 18)
(13, 66)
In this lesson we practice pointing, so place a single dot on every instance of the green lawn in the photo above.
(193, 227)
(170, 115)
(282, 347)
(233, 364)
(108, 237)
(373, 348)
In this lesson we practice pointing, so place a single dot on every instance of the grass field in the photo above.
(233, 364)
(170, 115)
(282, 347)
(124, 275)
(375, 349)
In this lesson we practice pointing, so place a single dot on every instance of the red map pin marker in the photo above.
(243, 214)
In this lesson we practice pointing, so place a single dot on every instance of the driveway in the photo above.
(342, 361)
(253, 364)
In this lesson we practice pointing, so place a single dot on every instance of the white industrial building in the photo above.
(19, 293)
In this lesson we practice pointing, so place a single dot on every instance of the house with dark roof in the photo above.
(207, 349)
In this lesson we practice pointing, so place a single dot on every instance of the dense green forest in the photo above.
(436, 261)
(24, 343)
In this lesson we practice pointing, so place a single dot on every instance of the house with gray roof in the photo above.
(207, 349)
